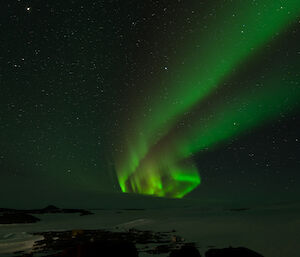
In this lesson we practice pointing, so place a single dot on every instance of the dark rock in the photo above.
(239, 209)
(68, 242)
(232, 252)
(50, 209)
(185, 251)
(5, 210)
(13, 218)
(100, 248)
(133, 209)
(81, 211)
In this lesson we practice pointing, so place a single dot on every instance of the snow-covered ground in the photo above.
(272, 231)
(22, 241)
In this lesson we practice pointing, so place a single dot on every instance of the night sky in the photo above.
(195, 99)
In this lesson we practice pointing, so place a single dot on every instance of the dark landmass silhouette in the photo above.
(17, 218)
(14, 216)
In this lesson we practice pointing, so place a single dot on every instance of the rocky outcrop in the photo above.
(16, 218)
(54, 209)
(10, 216)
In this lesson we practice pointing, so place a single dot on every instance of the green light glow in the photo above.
(230, 119)
(151, 166)
(164, 180)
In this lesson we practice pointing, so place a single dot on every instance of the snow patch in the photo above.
(15, 242)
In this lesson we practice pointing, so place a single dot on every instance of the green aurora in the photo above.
(158, 157)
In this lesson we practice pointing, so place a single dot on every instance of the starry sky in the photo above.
(193, 99)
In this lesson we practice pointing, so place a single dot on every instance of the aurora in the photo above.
(157, 160)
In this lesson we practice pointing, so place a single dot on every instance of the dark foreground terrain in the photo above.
(95, 243)
(116, 242)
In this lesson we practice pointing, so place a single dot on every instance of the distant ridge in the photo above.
(13, 216)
